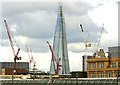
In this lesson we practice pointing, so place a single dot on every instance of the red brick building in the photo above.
(6, 68)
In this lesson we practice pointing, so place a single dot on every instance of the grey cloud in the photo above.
(37, 21)
(76, 9)
(36, 25)
(74, 31)
(38, 45)
(14, 8)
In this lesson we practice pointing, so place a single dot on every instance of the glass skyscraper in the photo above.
(60, 45)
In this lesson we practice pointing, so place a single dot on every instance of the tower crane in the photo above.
(86, 47)
(56, 63)
(98, 42)
(12, 46)
(86, 40)
(30, 58)
(34, 63)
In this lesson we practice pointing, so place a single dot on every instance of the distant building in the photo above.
(78, 74)
(6, 68)
(114, 51)
(104, 67)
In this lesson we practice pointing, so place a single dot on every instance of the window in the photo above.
(92, 66)
(3, 65)
(117, 73)
(112, 64)
(109, 74)
(100, 74)
(118, 64)
(11, 65)
(18, 65)
(101, 65)
(8, 65)
(92, 75)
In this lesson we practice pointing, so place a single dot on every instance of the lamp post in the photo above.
(14, 66)
(12, 75)
(117, 77)
(76, 78)
(34, 64)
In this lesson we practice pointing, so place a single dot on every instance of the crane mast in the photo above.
(87, 44)
(53, 57)
(34, 63)
(56, 64)
(30, 60)
(98, 43)
(100, 36)
(12, 46)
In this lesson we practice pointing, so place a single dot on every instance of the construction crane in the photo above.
(98, 42)
(86, 40)
(86, 47)
(30, 58)
(56, 63)
(12, 46)
(34, 63)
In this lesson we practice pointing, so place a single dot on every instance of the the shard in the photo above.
(60, 45)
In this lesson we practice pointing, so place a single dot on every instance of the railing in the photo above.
(64, 81)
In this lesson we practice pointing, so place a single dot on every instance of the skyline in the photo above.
(24, 17)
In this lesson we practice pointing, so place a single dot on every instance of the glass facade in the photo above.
(114, 51)
(60, 46)
(18, 65)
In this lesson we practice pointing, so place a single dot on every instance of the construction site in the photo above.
(97, 69)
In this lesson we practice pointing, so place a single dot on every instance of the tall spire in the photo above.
(60, 45)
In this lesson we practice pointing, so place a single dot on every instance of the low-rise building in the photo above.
(103, 67)
(6, 68)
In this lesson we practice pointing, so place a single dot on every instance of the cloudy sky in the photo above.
(33, 22)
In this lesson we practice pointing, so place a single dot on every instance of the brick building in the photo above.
(104, 67)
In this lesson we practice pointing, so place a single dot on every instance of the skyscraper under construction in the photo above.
(60, 46)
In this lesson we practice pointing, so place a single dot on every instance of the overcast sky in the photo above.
(33, 22)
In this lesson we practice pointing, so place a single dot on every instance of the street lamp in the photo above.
(117, 77)
(34, 69)
(14, 64)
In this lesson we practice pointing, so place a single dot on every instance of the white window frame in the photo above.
(101, 65)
